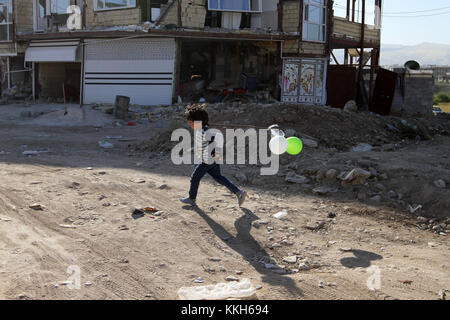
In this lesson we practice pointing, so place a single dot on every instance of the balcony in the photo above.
(347, 34)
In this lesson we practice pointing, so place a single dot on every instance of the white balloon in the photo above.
(278, 145)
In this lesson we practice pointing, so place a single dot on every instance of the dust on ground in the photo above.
(338, 237)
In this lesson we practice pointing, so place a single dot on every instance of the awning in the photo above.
(54, 51)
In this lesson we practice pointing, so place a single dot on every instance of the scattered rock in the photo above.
(137, 180)
(105, 145)
(295, 178)
(290, 259)
(281, 215)
(357, 176)
(36, 206)
(323, 190)
(215, 259)
(232, 278)
(376, 199)
(440, 184)
(198, 280)
(314, 226)
(351, 106)
(362, 147)
(331, 174)
(67, 226)
(331, 215)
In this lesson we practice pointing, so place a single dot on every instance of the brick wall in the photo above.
(171, 16)
(291, 16)
(193, 13)
(110, 18)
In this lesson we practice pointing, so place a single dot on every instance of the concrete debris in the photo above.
(440, 184)
(323, 190)
(36, 206)
(281, 215)
(105, 145)
(221, 291)
(351, 106)
(362, 147)
(295, 178)
(356, 176)
(290, 259)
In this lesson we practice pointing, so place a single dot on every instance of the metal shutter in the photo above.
(142, 69)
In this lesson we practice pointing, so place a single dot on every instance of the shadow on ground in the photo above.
(362, 259)
(244, 244)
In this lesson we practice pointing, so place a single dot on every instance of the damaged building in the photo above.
(159, 51)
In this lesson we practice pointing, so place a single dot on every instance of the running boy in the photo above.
(198, 113)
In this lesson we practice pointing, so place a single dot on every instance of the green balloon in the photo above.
(295, 145)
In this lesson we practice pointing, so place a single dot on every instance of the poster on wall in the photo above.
(290, 79)
(307, 79)
(304, 81)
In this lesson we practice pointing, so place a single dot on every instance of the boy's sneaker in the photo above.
(188, 201)
(241, 197)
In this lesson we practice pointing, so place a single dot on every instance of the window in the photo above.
(151, 9)
(235, 5)
(60, 6)
(113, 4)
(314, 20)
(6, 21)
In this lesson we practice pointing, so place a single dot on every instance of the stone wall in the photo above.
(171, 17)
(193, 13)
(418, 99)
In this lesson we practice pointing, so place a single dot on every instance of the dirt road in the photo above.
(87, 194)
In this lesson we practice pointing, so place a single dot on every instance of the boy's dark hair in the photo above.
(197, 112)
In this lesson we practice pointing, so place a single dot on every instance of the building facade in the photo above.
(155, 51)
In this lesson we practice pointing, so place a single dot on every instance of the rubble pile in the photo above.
(346, 154)
(20, 91)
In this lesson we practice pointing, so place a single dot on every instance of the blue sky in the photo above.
(408, 22)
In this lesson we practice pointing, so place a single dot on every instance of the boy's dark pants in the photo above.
(214, 171)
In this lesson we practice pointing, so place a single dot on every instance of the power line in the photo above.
(398, 12)
(413, 16)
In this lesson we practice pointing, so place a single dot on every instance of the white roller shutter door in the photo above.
(142, 69)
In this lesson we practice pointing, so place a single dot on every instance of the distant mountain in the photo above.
(424, 53)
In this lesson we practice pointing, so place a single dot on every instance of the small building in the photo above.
(414, 92)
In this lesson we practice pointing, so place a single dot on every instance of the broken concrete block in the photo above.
(357, 176)
(295, 178)
(221, 291)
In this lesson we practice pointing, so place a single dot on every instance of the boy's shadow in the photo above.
(244, 244)
(362, 259)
